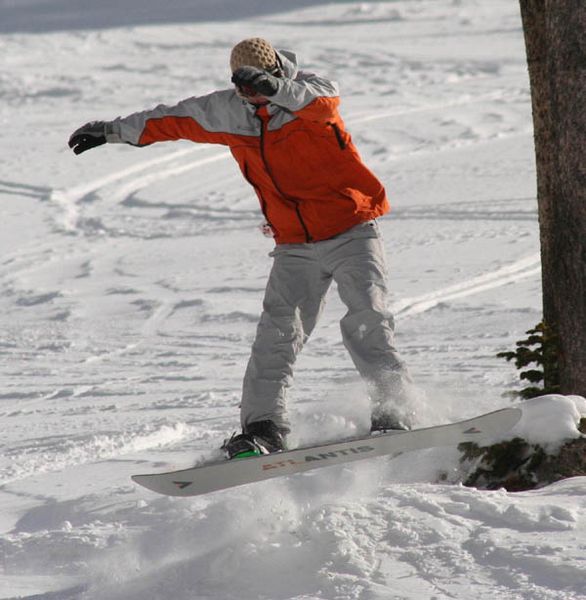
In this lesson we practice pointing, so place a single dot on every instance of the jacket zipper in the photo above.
(263, 127)
(338, 134)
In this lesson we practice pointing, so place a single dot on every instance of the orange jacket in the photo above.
(295, 152)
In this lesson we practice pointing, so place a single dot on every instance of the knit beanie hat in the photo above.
(253, 52)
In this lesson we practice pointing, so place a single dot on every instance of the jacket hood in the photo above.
(289, 60)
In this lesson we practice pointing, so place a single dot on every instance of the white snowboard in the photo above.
(230, 473)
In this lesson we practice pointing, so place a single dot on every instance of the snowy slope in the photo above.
(131, 281)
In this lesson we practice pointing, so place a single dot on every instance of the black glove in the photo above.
(88, 136)
(256, 80)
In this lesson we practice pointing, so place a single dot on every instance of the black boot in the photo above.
(386, 422)
(261, 437)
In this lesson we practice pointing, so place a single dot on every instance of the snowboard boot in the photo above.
(383, 422)
(261, 437)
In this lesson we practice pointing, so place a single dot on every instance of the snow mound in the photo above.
(550, 420)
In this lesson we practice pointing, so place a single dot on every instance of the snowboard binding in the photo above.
(382, 423)
(262, 437)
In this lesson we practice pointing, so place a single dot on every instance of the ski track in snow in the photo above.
(130, 302)
(517, 271)
(69, 200)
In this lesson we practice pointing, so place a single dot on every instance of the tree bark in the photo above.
(555, 39)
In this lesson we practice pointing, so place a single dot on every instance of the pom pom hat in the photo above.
(253, 52)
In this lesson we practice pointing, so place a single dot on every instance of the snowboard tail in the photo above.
(231, 473)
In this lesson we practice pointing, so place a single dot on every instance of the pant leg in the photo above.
(357, 261)
(293, 301)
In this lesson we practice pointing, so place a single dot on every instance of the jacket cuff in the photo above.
(112, 132)
(285, 95)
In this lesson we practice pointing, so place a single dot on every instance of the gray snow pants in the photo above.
(294, 299)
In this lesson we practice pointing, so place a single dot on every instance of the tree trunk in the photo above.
(555, 39)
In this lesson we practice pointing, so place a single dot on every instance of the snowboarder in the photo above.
(320, 203)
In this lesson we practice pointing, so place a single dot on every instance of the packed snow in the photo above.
(131, 281)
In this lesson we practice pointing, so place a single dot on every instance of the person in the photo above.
(320, 203)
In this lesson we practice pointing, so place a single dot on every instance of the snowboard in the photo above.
(225, 474)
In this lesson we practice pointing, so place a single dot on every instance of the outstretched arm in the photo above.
(206, 119)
